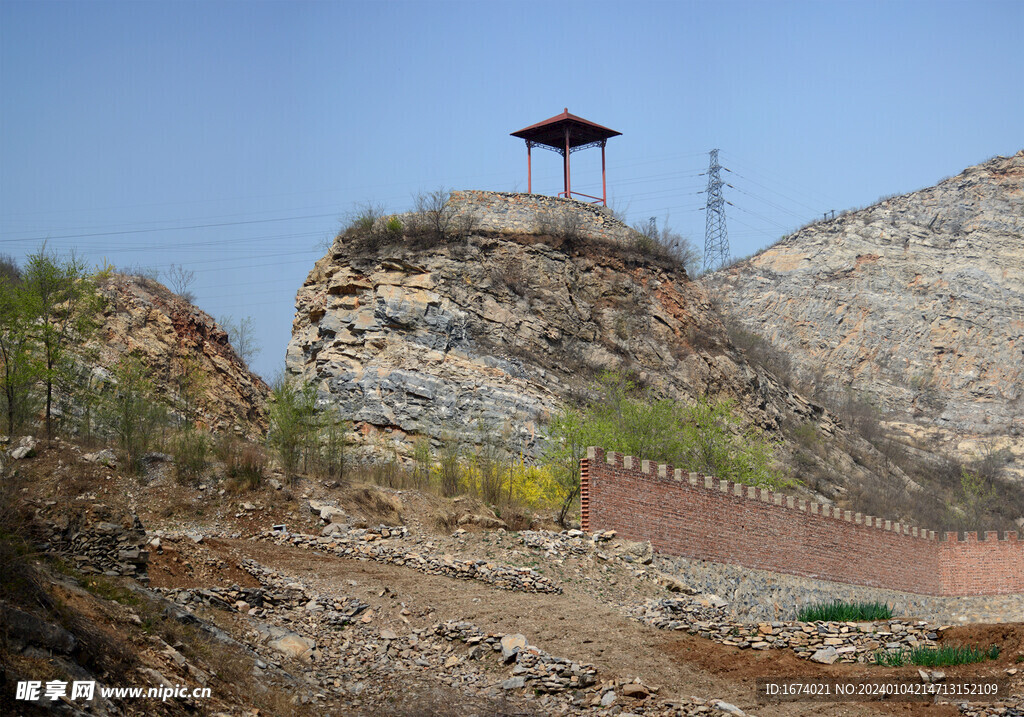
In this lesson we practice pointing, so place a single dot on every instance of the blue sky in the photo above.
(235, 138)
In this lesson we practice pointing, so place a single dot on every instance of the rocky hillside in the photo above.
(144, 319)
(915, 303)
(409, 335)
(501, 327)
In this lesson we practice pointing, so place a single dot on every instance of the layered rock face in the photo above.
(146, 320)
(916, 303)
(501, 327)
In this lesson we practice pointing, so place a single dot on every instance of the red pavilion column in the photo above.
(568, 183)
(604, 187)
(529, 169)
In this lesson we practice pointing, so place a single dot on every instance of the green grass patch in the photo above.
(104, 587)
(942, 656)
(839, 611)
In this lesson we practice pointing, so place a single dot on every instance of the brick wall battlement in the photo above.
(701, 517)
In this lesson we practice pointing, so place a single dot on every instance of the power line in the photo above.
(774, 191)
(765, 201)
(763, 218)
(169, 229)
(815, 196)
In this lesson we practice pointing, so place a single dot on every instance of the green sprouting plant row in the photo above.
(942, 656)
(839, 611)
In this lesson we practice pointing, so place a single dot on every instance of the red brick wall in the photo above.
(987, 567)
(704, 518)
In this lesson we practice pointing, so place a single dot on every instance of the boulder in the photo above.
(106, 457)
(330, 514)
(826, 655)
(635, 690)
(28, 629)
(642, 552)
(26, 448)
(295, 646)
(512, 645)
(673, 584)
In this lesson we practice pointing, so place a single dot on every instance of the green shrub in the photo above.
(651, 242)
(191, 448)
(364, 218)
(437, 220)
(839, 611)
(244, 462)
(423, 461)
(698, 436)
(129, 410)
(328, 444)
(450, 467)
(293, 422)
(891, 658)
(942, 656)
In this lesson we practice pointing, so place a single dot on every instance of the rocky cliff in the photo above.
(505, 324)
(916, 303)
(145, 319)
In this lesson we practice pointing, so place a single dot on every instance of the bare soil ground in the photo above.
(586, 623)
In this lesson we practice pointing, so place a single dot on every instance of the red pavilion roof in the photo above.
(551, 132)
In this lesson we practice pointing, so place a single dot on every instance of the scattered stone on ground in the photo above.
(379, 544)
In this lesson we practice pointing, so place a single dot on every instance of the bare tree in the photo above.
(438, 219)
(181, 280)
(241, 334)
(666, 244)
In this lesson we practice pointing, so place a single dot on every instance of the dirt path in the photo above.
(571, 625)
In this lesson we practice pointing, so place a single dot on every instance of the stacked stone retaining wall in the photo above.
(518, 213)
(702, 517)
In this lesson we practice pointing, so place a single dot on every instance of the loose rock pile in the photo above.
(533, 667)
(824, 642)
(601, 545)
(259, 602)
(370, 544)
(1014, 707)
(567, 542)
(97, 541)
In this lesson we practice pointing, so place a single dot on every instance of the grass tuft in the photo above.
(839, 611)
(941, 656)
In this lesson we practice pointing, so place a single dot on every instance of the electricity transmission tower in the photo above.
(716, 238)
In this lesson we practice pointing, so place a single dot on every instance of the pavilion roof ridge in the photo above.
(565, 116)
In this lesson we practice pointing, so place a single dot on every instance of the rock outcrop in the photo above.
(411, 337)
(916, 303)
(144, 319)
(500, 327)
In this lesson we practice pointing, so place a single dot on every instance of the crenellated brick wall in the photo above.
(705, 518)
(982, 567)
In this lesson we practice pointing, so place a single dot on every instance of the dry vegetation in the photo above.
(956, 495)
